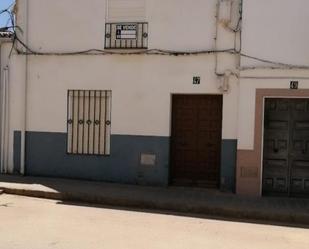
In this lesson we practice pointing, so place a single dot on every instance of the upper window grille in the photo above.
(126, 35)
(88, 122)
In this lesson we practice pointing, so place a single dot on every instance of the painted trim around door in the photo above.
(249, 162)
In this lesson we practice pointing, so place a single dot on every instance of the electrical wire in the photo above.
(29, 51)
(7, 8)
(278, 64)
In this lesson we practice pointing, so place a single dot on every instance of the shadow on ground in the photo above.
(180, 201)
(188, 215)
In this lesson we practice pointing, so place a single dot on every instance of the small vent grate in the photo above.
(126, 35)
(88, 122)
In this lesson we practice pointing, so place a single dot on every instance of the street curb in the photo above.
(171, 206)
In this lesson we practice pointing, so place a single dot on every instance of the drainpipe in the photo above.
(240, 31)
(6, 119)
(2, 89)
(216, 38)
(24, 128)
(223, 77)
(4, 145)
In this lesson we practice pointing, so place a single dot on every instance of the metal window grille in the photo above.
(88, 122)
(117, 37)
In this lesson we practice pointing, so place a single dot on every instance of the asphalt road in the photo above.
(30, 223)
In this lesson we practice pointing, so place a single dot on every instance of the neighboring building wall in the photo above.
(141, 85)
(275, 30)
(272, 30)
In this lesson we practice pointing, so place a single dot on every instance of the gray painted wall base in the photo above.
(46, 156)
(17, 150)
(228, 165)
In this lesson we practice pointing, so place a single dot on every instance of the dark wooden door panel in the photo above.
(286, 151)
(276, 140)
(299, 154)
(196, 140)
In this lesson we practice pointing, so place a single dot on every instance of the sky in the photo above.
(4, 17)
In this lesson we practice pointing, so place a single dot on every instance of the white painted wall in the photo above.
(73, 25)
(276, 30)
(141, 90)
(254, 79)
(141, 84)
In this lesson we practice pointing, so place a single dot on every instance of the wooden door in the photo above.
(286, 147)
(196, 140)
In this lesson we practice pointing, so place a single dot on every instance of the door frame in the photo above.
(171, 128)
(249, 161)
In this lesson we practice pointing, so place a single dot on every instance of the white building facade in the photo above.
(150, 92)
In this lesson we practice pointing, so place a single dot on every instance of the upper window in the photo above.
(89, 122)
(126, 11)
(125, 25)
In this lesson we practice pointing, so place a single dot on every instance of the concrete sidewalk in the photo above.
(176, 199)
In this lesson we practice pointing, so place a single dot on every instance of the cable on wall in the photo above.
(29, 51)
(275, 63)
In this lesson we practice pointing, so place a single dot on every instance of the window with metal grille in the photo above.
(126, 35)
(88, 122)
